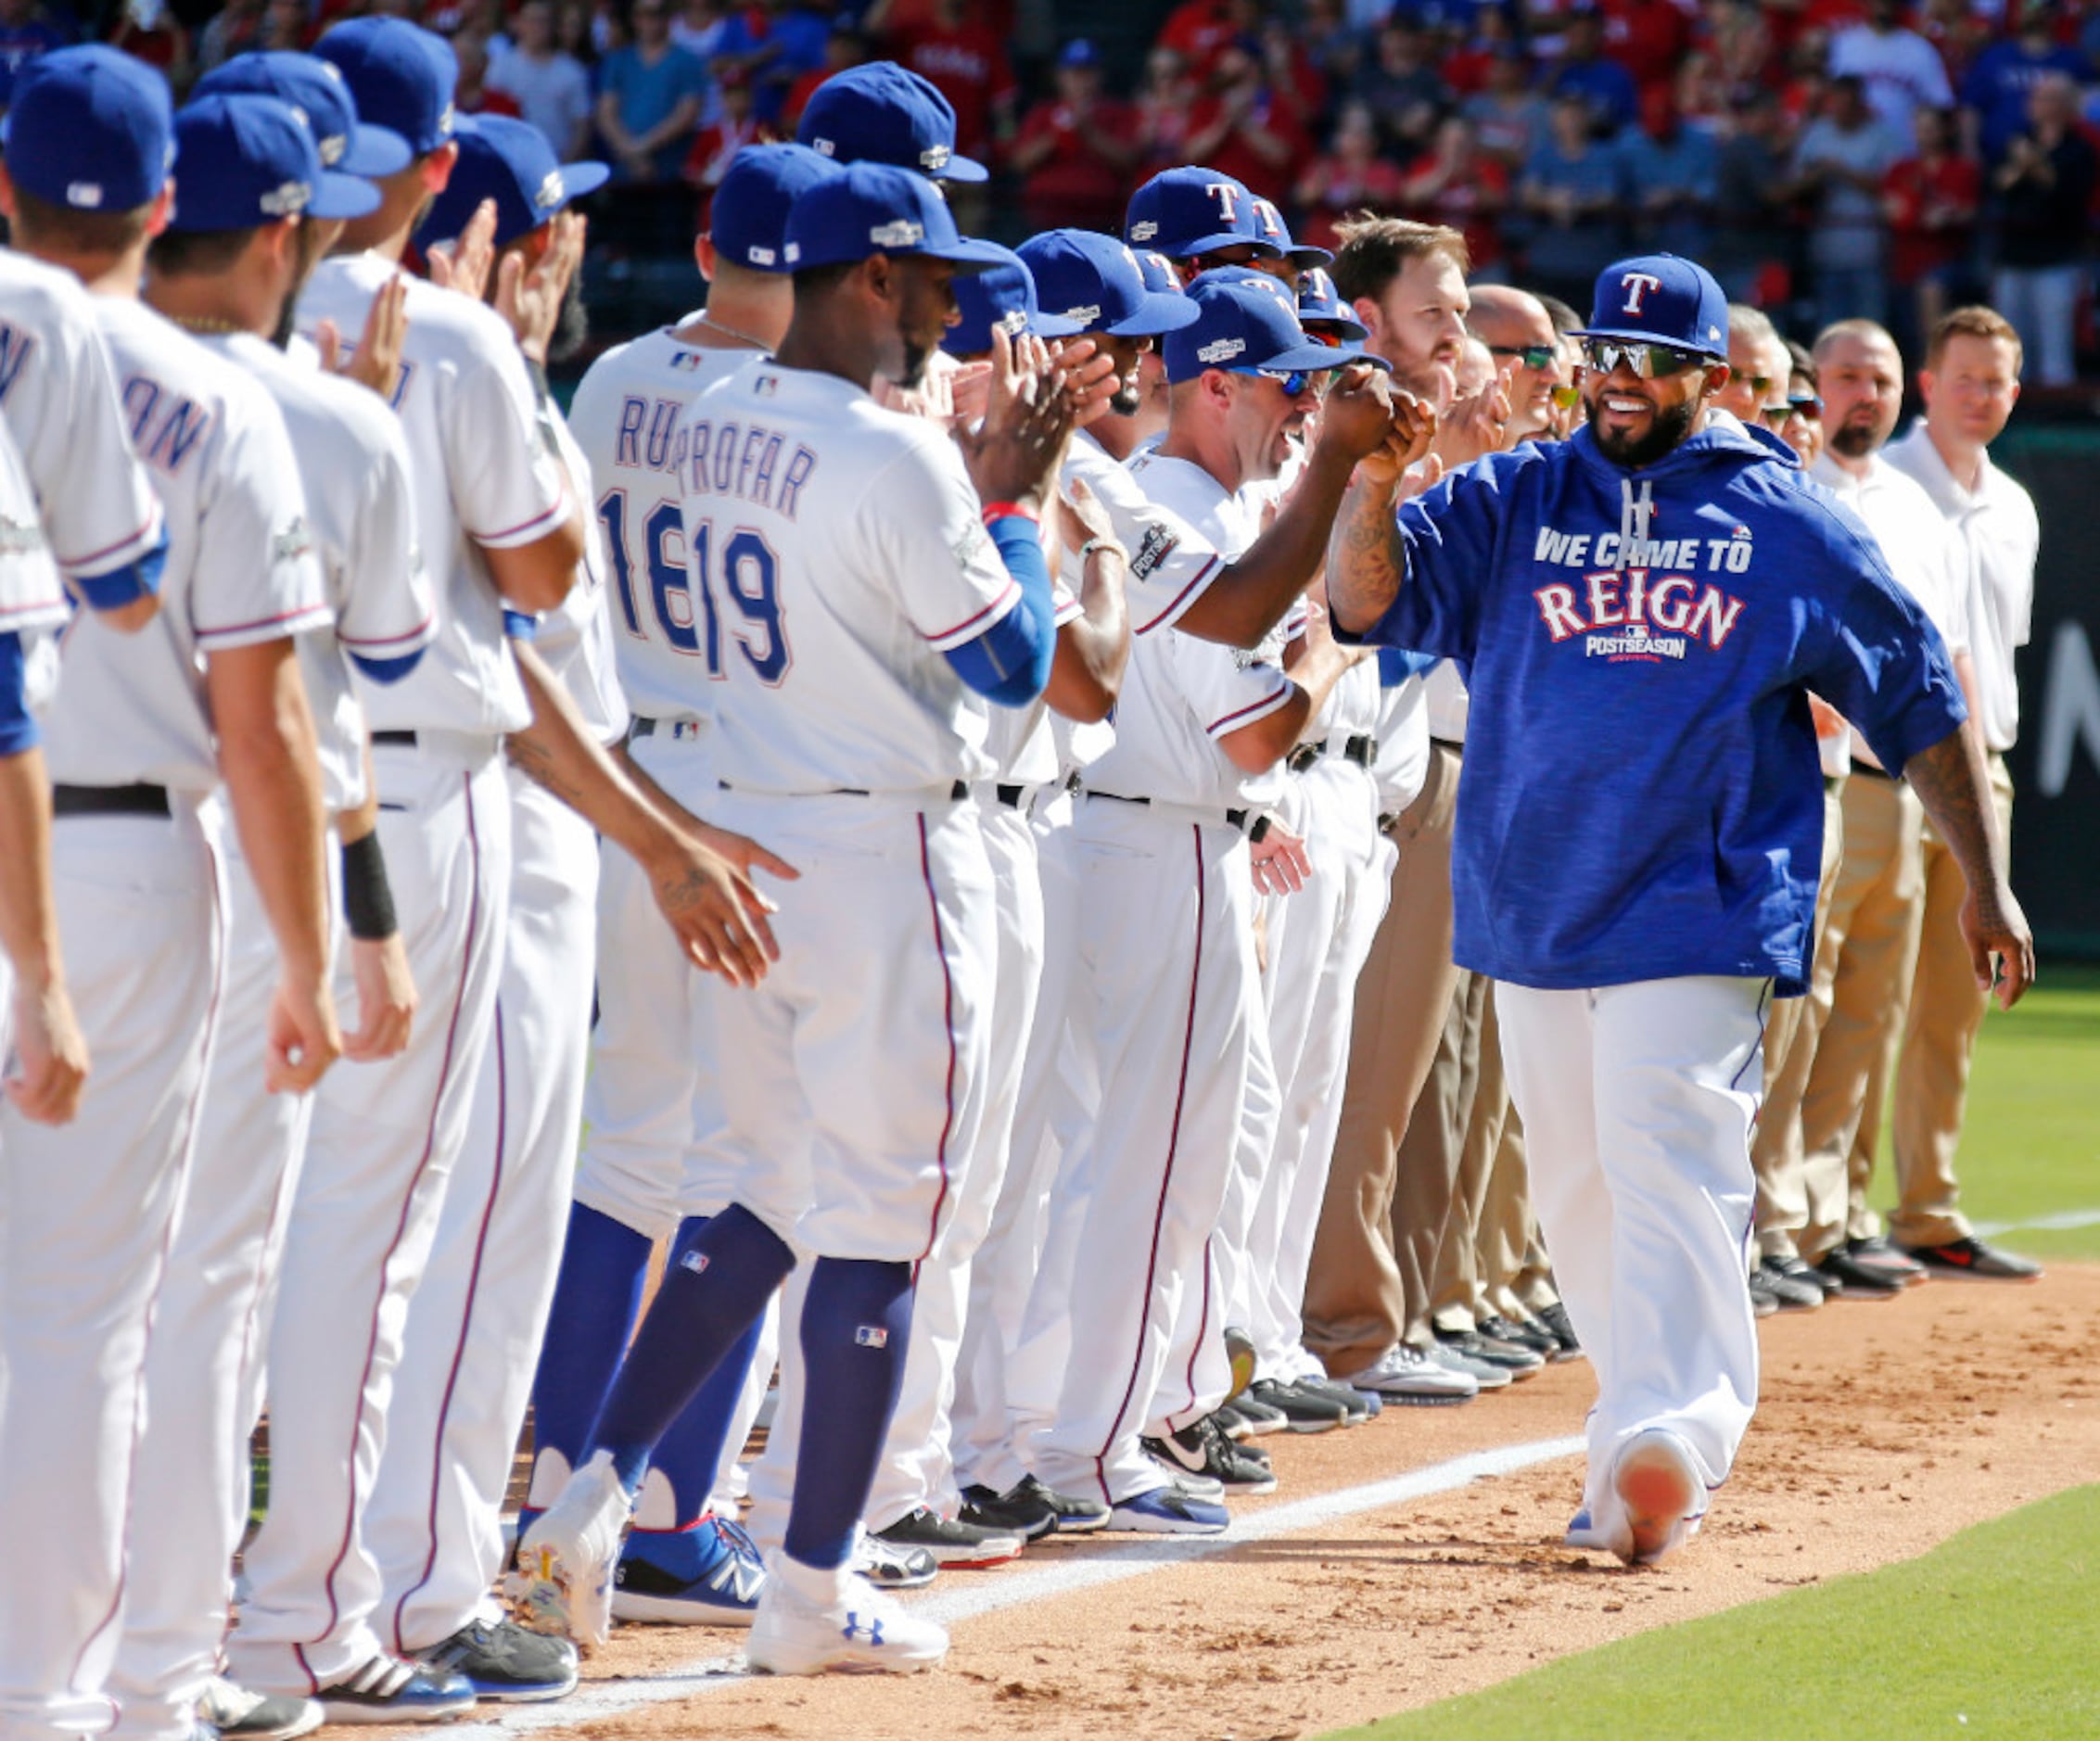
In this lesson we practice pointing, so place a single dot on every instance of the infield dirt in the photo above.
(1884, 1428)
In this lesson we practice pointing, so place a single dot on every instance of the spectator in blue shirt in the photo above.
(649, 98)
(1672, 175)
(1606, 86)
(775, 44)
(1574, 190)
(1995, 93)
(26, 32)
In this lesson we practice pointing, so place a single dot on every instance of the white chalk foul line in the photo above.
(599, 1700)
(2069, 1221)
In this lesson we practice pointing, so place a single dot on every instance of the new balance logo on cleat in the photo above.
(872, 1631)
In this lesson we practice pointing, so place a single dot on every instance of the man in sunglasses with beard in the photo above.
(1644, 609)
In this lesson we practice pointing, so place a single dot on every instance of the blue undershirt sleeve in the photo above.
(1009, 663)
(118, 586)
(18, 727)
(385, 670)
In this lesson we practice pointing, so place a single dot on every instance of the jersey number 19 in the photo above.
(678, 579)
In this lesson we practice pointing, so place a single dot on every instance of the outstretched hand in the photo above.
(1015, 453)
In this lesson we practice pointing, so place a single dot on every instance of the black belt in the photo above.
(1387, 818)
(1879, 773)
(402, 740)
(1012, 796)
(110, 801)
(958, 792)
(1237, 818)
(1457, 746)
(1362, 749)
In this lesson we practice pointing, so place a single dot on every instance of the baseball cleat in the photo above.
(1240, 1351)
(710, 1573)
(1260, 1418)
(1202, 1448)
(1583, 1533)
(564, 1583)
(1406, 1374)
(859, 1629)
(388, 1690)
(1971, 1260)
(963, 1546)
(504, 1661)
(1660, 1488)
(1168, 1511)
(229, 1708)
(890, 1567)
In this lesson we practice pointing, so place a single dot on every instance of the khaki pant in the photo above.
(1875, 910)
(1946, 1010)
(1476, 1103)
(1516, 1278)
(1356, 1304)
(1792, 1027)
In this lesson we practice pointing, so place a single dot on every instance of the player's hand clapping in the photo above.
(530, 297)
(1478, 425)
(376, 361)
(462, 265)
(1014, 454)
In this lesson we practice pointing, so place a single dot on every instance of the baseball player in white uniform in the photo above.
(226, 270)
(652, 1107)
(143, 729)
(499, 526)
(854, 635)
(1164, 833)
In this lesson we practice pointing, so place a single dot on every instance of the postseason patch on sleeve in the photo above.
(1153, 549)
(974, 548)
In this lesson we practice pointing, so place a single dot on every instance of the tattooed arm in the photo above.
(716, 911)
(1952, 782)
(1366, 560)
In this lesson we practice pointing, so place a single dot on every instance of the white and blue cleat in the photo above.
(837, 1620)
(1169, 1511)
(710, 1573)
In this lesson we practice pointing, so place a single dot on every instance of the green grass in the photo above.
(2031, 1143)
(1992, 1634)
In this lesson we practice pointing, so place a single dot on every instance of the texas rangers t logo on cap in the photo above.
(1637, 286)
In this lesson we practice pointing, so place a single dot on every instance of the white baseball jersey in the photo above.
(576, 640)
(1403, 745)
(59, 393)
(241, 570)
(840, 549)
(485, 476)
(628, 419)
(30, 595)
(1171, 563)
(1180, 696)
(354, 465)
(2001, 538)
(1020, 738)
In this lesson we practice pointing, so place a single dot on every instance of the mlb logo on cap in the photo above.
(401, 77)
(90, 129)
(1659, 298)
(870, 209)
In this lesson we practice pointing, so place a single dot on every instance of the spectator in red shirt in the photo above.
(1932, 200)
(1648, 38)
(1245, 127)
(1199, 30)
(966, 60)
(1077, 150)
(1350, 178)
(1461, 186)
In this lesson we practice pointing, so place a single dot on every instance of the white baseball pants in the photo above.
(90, 1213)
(384, 1142)
(918, 1466)
(204, 1371)
(1637, 1103)
(434, 1521)
(1170, 992)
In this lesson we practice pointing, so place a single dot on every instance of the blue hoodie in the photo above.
(1641, 796)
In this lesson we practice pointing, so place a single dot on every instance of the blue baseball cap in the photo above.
(878, 209)
(1662, 300)
(1096, 283)
(748, 222)
(1319, 300)
(1159, 273)
(1193, 210)
(1002, 296)
(1079, 52)
(1245, 322)
(400, 77)
(90, 129)
(1275, 231)
(885, 113)
(316, 89)
(510, 162)
(249, 161)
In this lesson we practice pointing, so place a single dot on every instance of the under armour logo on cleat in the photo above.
(872, 1631)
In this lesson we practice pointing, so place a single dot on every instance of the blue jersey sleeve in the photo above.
(1880, 662)
(17, 729)
(1451, 537)
(1009, 663)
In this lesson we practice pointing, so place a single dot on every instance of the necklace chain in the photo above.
(206, 323)
(730, 332)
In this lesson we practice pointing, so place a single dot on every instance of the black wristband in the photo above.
(538, 371)
(368, 901)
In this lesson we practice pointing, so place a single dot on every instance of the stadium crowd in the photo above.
(1825, 157)
(1227, 1166)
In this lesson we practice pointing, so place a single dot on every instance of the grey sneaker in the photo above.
(1484, 1375)
(1406, 1374)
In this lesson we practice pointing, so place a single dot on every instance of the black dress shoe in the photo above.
(1858, 1281)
